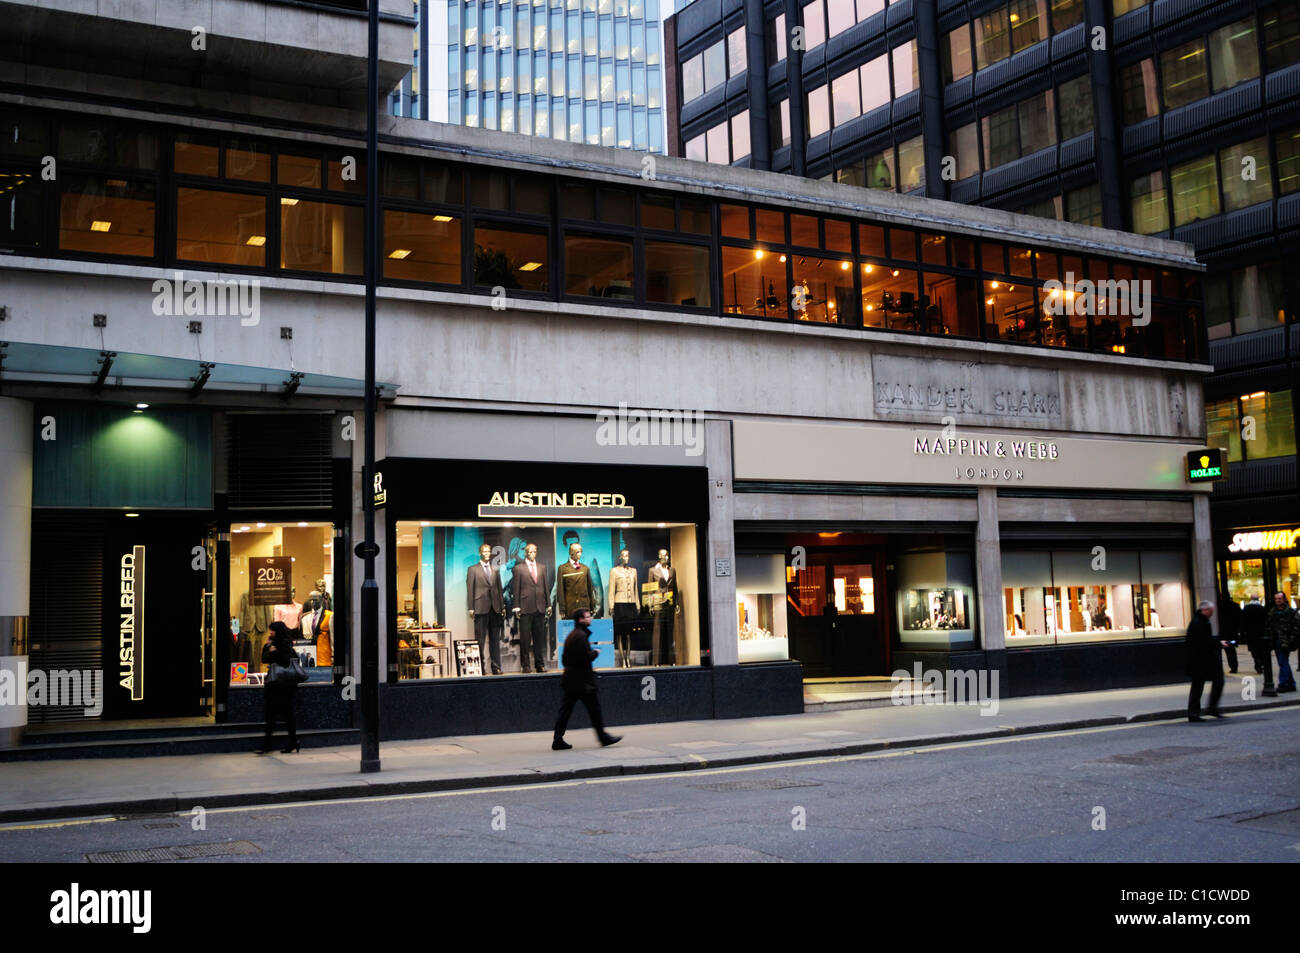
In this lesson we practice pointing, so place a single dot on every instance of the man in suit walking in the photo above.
(530, 587)
(579, 683)
(487, 605)
(1204, 663)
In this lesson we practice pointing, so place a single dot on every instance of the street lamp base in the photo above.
(370, 767)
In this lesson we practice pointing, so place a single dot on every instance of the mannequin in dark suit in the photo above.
(487, 605)
(665, 646)
(530, 588)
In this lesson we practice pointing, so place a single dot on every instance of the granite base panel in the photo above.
(509, 703)
(317, 706)
(1055, 670)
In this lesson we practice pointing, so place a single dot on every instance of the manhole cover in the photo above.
(757, 784)
(1155, 755)
(153, 855)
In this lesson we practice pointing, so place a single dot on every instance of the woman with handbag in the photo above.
(282, 678)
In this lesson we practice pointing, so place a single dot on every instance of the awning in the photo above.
(49, 363)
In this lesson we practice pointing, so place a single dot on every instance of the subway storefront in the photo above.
(1259, 561)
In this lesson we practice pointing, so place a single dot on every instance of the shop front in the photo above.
(1255, 562)
(486, 564)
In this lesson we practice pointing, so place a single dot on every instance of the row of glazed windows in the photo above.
(134, 192)
(610, 36)
(1254, 426)
(1234, 177)
(577, 78)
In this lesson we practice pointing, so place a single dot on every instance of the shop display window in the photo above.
(1063, 597)
(761, 607)
(281, 572)
(639, 580)
(1245, 580)
(936, 598)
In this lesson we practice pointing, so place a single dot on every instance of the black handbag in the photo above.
(290, 674)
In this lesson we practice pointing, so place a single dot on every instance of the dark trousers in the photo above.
(625, 616)
(1198, 685)
(279, 702)
(487, 630)
(1231, 652)
(1263, 656)
(532, 633)
(588, 698)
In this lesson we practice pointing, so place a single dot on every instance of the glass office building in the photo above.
(585, 71)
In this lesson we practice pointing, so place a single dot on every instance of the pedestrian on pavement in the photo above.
(1282, 629)
(1203, 663)
(1229, 629)
(279, 697)
(1253, 616)
(579, 683)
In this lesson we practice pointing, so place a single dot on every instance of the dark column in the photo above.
(1107, 138)
(794, 87)
(926, 15)
(760, 139)
(672, 93)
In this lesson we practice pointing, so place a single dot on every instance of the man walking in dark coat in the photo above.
(1204, 663)
(1253, 617)
(1230, 629)
(579, 682)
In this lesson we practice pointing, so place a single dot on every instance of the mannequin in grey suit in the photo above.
(487, 606)
(530, 590)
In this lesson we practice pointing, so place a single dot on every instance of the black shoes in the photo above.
(1216, 714)
(296, 746)
(608, 740)
(541, 670)
(559, 744)
(1195, 718)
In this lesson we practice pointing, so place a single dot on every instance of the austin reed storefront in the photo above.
(485, 563)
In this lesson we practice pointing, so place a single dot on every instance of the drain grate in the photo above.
(757, 784)
(153, 855)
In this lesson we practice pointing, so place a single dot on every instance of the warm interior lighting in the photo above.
(129, 515)
(301, 524)
(1117, 348)
(100, 226)
(783, 258)
(871, 307)
(993, 285)
(399, 253)
(442, 218)
(1258, 393)
(142, 406)
(530, 266)
(258, 240)
(844, 266)
(284, 201)
(758, 253)
(828, 535)
(869, 268)
(988, 301)
(895, 272)
(1015, 17)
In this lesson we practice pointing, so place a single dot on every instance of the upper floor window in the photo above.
(776, 39)
(1254, 426)
(1281, 33)
(1120, 7)
(736, 63)
(1138, 91)
(1224, 58)
(823, 19)
(706, 70)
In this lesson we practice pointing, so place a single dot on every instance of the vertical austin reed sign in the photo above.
(130, 638)
(271, 580)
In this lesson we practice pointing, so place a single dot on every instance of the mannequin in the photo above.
(487, 606)
(530, 590)
(624, 604)
(573, 585)
(316, 619)
(290, 613)
(325, 596)
(663, 573)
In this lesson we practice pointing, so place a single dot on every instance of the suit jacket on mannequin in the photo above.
(530, 596)
(574, 589)
(666, 576)
(483, 590)
(623, 587)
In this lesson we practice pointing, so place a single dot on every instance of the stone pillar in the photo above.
(724, 637)
(15, 564)
(988, 572)
(1203, 584)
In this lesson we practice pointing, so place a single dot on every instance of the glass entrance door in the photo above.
(832, 606)
(208, 631)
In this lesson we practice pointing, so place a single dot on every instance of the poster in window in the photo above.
(271, 580)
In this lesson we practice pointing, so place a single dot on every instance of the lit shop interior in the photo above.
(639, 579)
(841, 602)
(1056, 597)
(308, 611)
(1260, 562)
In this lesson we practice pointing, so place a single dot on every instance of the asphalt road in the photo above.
(1225, 791)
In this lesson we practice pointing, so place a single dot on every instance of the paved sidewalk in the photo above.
(81, 788)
